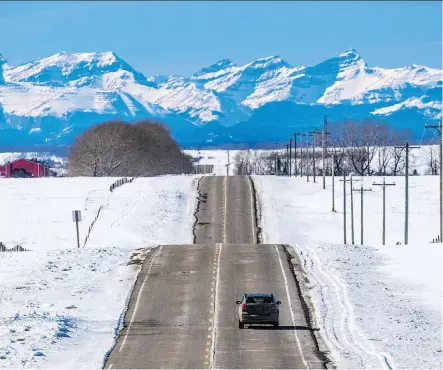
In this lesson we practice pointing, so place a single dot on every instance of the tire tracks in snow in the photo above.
(337, 313)
(325, 296)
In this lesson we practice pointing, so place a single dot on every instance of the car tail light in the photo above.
(243, 307)
(272, 307)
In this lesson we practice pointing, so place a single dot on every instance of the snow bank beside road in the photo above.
(61, 305)
(377, 306)
(148, 211)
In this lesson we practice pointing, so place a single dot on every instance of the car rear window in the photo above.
(258, 299)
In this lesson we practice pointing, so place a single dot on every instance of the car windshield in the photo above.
(258, 299)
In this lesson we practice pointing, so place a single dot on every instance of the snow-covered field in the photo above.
(377, 306)
(60, 305)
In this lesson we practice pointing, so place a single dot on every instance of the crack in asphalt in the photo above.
(200, 200)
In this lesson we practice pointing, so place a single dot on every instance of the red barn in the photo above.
(24, 168)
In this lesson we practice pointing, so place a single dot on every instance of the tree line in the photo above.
(116, 148)
(365, 148)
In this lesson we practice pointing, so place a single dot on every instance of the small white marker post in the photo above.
(76, 217)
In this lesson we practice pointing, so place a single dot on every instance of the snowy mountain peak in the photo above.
(216, 67)
(100, 58)
(73, 69)
(350, 53)
(224, 63)
(350, 57)
(270, 62)
(419, 68)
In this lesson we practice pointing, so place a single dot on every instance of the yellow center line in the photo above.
(214, 320)
(225, 208)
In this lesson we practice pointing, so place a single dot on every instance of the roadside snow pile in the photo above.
(378, 306)
(61, 305)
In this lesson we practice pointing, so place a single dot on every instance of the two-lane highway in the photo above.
(182, 312)
(226, 211)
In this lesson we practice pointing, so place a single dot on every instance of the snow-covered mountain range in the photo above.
(50, 100)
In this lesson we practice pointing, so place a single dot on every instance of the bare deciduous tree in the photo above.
(121, 149)
(432, 160)
(250, 162)
(368, 144)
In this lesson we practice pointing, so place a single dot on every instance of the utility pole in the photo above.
(361, 190)
(440, 138)
(313, 157)
(227, 166)
(408, 148)
(333, 183)
(313, 133)
(307, 154)
(352, 210)
(325, 132)
(287, 161)
(295, 153)
(290, 157)
(383, 185)
(352, 205)
(275, 164)
(301, 155)
(344, 205)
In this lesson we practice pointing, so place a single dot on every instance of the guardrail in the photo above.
(120, 182)
(17, 248)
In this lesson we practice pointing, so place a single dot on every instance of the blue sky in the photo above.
(182, 37)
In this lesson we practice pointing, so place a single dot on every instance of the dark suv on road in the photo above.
(258, 308)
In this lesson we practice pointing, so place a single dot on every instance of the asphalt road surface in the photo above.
(182, 312)
(226, 211)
